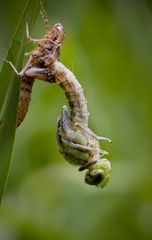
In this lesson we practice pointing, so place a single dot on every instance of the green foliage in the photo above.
(9, 89)
(108, 46)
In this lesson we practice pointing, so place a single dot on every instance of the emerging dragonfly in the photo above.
(78, 144)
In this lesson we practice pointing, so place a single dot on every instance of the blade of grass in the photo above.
(9, 91)
(31, 9)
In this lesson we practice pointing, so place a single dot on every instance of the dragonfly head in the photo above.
(99, 173)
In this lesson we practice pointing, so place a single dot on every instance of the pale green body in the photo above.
(78, 144)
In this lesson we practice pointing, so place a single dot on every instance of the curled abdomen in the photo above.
(73, 91)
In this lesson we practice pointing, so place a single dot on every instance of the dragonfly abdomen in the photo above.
(74, 93)
(24, 98)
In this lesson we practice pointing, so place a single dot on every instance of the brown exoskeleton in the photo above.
(36, 65)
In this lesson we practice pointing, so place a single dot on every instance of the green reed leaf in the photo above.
(9, 91)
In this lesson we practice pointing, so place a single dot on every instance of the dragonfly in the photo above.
(76, 141)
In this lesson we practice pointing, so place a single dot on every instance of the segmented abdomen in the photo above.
(73, 91)
(24, 98)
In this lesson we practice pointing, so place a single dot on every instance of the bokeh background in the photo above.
(108, 46)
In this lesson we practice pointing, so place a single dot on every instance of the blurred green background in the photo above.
(108, 46)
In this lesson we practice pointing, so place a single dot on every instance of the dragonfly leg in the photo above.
(87, 165)
(44, 16)
(29, 38)
(12, 66)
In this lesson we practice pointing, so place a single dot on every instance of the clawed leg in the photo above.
(44, 16)
(64, 123)
(104, 138)
(83, 147)
(29, 38)
(87, 165)
(92, 133)
(13, 67)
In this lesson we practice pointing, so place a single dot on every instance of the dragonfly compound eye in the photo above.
(94, 177)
